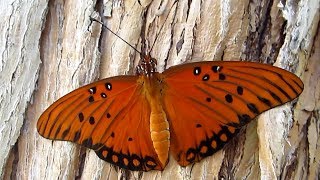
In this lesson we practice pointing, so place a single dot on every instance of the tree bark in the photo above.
(50, 48)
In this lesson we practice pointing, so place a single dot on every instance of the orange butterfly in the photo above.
(189, 110)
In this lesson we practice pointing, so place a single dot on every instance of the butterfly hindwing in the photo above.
(110, 116)
(207, 102)
(127, 141)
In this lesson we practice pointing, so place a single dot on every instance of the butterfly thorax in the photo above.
(159, 127)
(147, 66)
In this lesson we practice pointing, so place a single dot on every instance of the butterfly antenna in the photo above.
(93, 19)
(154, 42)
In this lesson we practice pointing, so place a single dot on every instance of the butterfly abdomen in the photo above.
(159, 126)
(160, 135)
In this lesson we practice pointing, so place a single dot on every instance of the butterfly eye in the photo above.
(153, 61)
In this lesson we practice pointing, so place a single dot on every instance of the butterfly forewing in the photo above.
(110, 116)
(207, 102)
(59, 117)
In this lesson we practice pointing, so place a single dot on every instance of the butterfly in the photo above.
(190, 110)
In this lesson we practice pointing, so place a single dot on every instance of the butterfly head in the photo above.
(147, 66)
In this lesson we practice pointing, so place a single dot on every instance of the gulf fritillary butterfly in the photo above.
(189, 110)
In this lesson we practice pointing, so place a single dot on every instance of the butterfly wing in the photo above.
(207, 102)
(111, 117)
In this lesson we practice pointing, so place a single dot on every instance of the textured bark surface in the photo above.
(49, 48)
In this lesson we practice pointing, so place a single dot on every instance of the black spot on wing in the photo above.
(91, 120)
(91, 99)
(108, 115)
(216, 69)
(240, 90)
(210, 145)
(228, 98)
(81, 116)
(222, 76)
(93, 90)
(196, 71)
(103, 95)
(206, 77)
(108, 86)
(128, 160)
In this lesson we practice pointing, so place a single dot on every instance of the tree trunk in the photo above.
(51, 47)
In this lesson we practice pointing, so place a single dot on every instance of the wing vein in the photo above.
(56, 120)
(264, 79)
